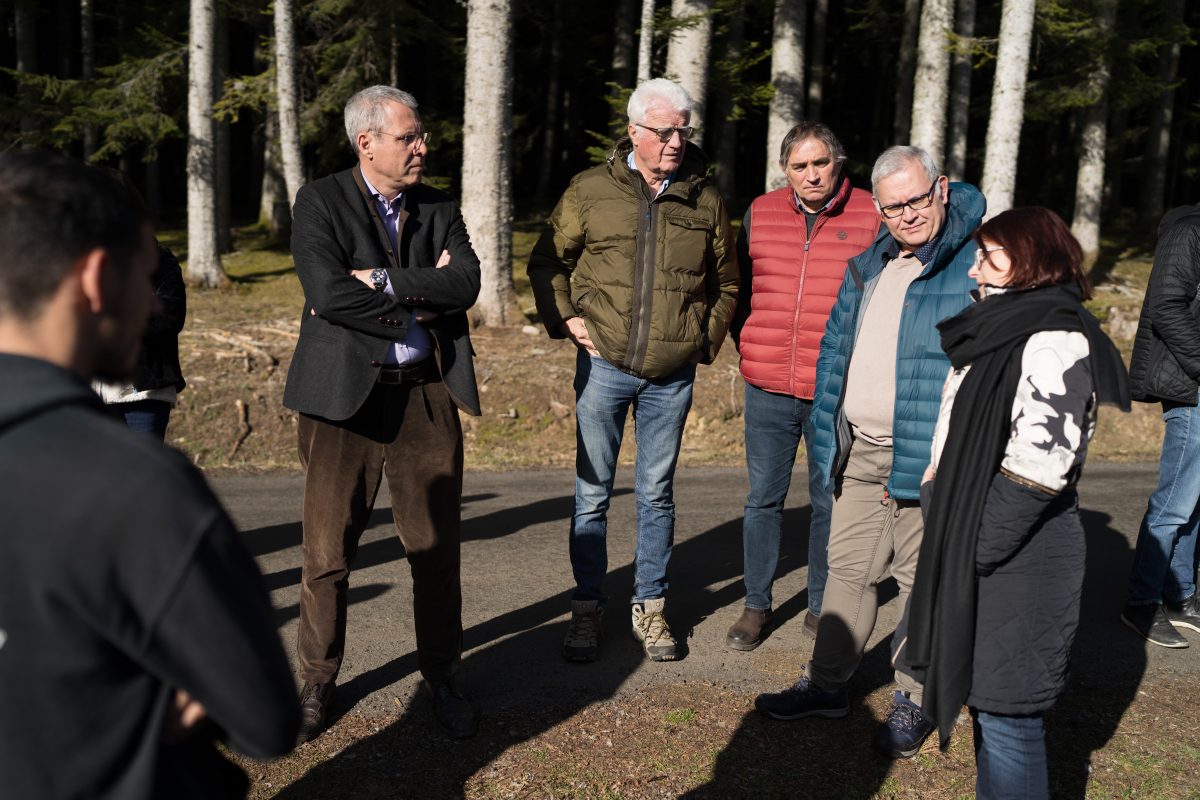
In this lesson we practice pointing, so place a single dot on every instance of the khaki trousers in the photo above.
(869, 533)
(410, 434)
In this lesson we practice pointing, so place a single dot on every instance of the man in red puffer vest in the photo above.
(792, 249)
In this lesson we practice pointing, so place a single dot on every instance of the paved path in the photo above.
(516, 582)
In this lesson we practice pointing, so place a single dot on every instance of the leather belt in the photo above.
(423, 372)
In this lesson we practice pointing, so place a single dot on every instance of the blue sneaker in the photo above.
(904, 731)
(803, 699)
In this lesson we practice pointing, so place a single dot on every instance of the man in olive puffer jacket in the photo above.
(636, 266)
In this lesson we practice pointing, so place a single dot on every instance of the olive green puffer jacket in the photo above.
(654, 278)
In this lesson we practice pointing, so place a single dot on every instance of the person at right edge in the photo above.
(995, 603)
(1166, 368)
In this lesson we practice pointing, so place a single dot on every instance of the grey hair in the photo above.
(811, 130)
(896, 158)
(366, 111)
(660, 89)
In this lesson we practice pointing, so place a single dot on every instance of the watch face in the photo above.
(379, 278)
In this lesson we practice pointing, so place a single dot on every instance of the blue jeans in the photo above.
(1164, 562)
(775, 424)
(147, 416)
(603, 397)
(1010, 757)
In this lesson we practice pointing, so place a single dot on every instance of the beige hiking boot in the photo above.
(650, 628)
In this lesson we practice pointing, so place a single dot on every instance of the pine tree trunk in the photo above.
(1008, 106)
(487, 156)
(960, 90)
(816, 70)
(288, 98)
(204, 263)
(906, 66)
(787, 79)
(931, 82)
(221, 142)
(1158, 137)
(1089, 180)
(546, 163)
(645, 66)
(87, 66)
(623, 44)
(1114, 160)
(727, 127)
(25, 25)
(274, 210)
(687, 55)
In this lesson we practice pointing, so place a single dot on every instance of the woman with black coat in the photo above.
(995, 602)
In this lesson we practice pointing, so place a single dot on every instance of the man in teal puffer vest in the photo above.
(879, 382)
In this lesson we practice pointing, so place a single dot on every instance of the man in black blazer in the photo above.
(381, 369)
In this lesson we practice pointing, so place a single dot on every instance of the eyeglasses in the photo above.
(918, 203)
(409, 140)
(982, 252)
(664, 134)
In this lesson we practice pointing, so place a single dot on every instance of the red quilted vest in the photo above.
(796, 282)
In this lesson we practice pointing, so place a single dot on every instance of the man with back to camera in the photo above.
(636, 267)
(382, 367)
(792, 252)
(135, 630)
(879, 384)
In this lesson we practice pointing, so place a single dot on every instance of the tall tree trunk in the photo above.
(906, 66)
(816, 64)
(932, 78)
(787, 79)
(66, 38)
(1114, 159)
(25, 24)
(394, 49)
(645, 66)
(726, 125)
(153, 183)
(1008, 105)
(288, 98)
(1158, 138)
(623, 65)
(687, 55)
(221, 143)
(960, 90)
(274, 210)
(1089, 180)
(87, 66)
(546, 163)
(204, 261)
(487, 156)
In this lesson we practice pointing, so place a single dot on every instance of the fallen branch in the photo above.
(243, 413)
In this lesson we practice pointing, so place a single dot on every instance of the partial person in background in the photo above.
(146, 399)
(1166, 369)
(995, 603)
(792, 252)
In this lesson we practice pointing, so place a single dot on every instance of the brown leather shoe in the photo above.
(452, 709)
(747, 633)
(811, 621)
(315, 699)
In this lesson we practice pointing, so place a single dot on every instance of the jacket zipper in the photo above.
(808, 237)
(643, 281)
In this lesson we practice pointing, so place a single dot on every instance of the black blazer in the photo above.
(335, 228)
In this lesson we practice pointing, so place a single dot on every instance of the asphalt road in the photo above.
(517, 579)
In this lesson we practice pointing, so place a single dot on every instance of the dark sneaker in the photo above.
(452, 708)
(1150, 622)
(811, 621)
(315, 699)
(904, 731)
(1185, 614)
(804, 699)
(650, 628)
(748, 632)
(582, 641)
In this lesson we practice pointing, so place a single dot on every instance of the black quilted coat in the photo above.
(1166, 353)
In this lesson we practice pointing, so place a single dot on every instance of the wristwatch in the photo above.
(379, 279)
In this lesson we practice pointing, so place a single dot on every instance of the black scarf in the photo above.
(989, 335)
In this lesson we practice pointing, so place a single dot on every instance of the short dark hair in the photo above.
(811, 130)
(1039, 246)
(52, 211)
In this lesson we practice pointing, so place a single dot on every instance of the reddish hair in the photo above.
(1040, 248)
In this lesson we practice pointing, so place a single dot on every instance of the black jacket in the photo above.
(158, 363)
(122, 579)
(1166, 352)
(335, 229)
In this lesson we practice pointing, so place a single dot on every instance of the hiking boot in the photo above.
(811, 621)
(1184, 614)
(315, 699)
(650, 628)
(904, 731)
(748, 632)
(803, 699)
(582, 641)
(451, 708)
(1150, 622)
